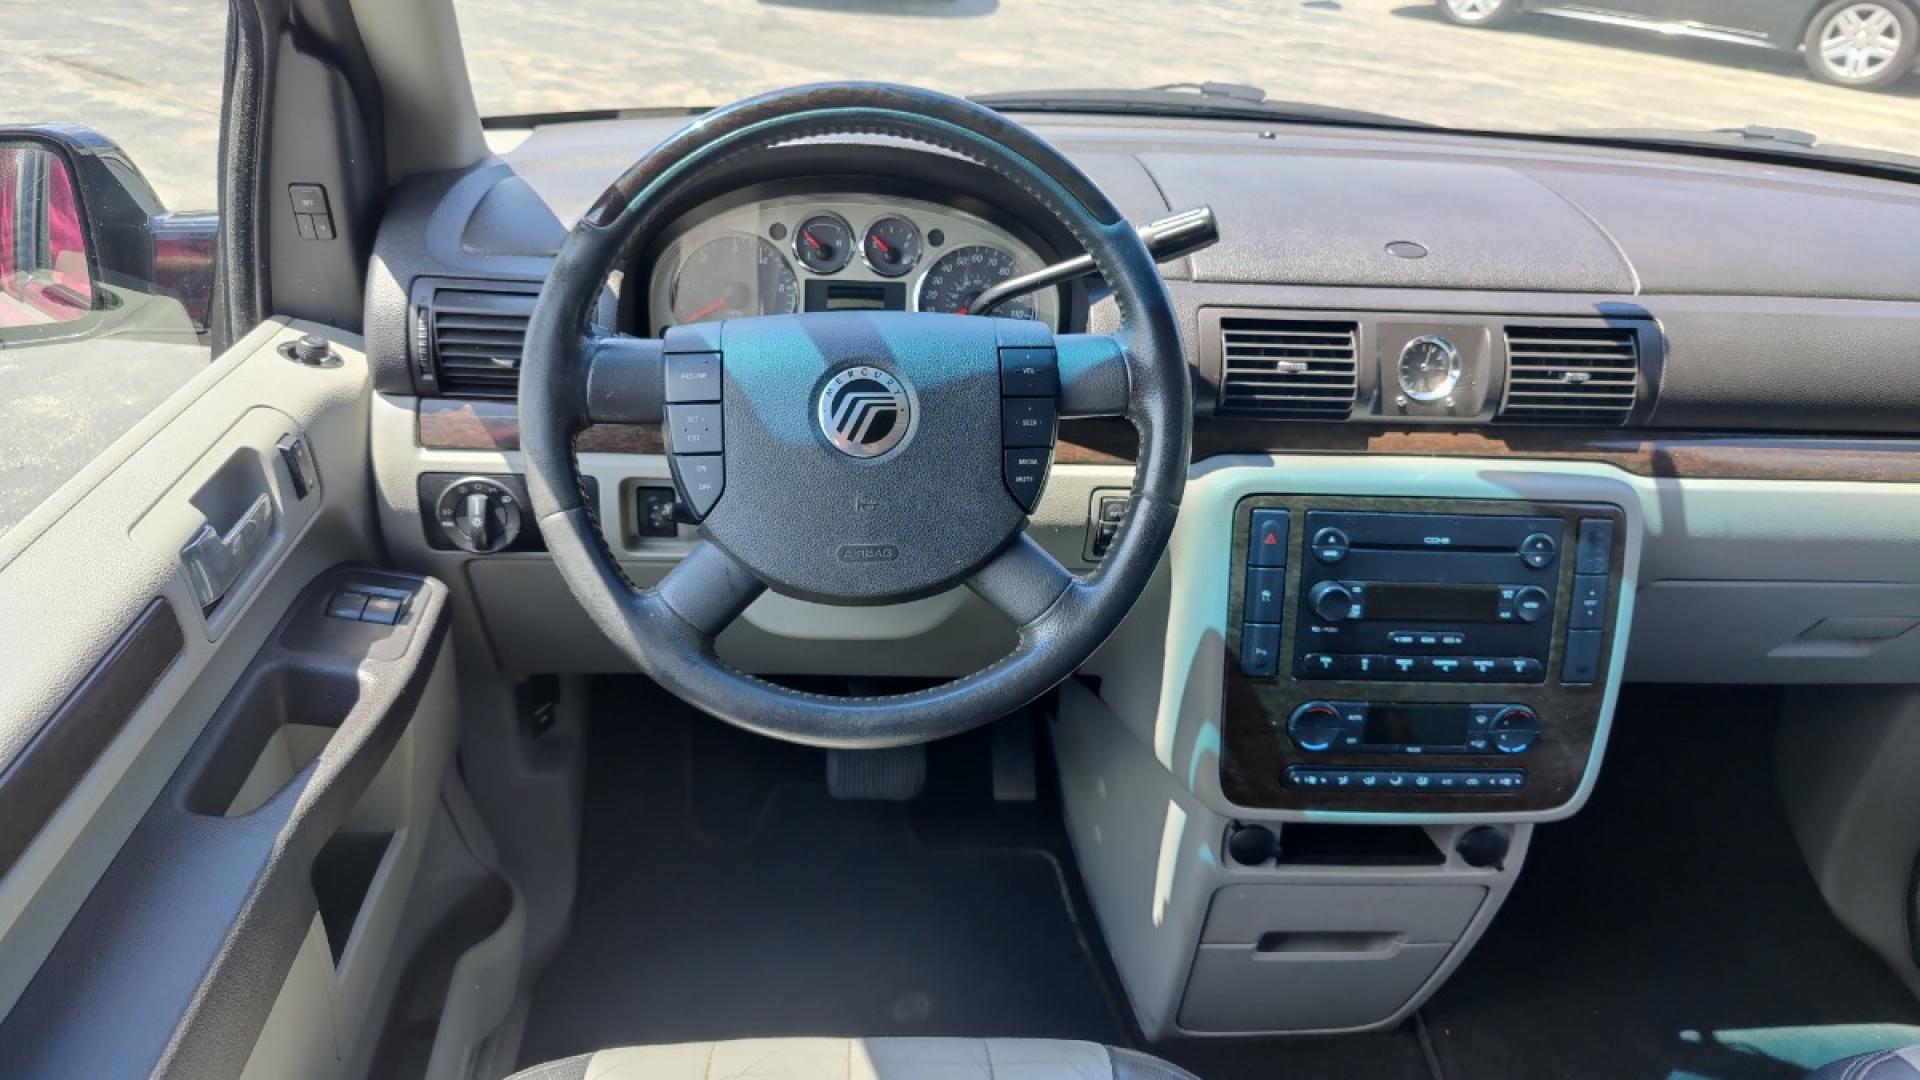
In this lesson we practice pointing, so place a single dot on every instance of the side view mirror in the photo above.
(86, 246)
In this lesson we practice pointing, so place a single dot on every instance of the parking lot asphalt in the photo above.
(147, 72)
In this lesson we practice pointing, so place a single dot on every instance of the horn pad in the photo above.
(860, 452)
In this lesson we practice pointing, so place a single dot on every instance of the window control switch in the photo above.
(347, 604)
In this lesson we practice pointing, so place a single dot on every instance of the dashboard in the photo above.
(838, 251)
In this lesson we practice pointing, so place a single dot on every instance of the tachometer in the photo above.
(731, 277)
(962, 274)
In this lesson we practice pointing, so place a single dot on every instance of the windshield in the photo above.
(1651, 67)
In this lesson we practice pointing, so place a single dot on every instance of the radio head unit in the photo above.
(1416, 653)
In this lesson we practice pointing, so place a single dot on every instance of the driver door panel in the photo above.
(172, 726)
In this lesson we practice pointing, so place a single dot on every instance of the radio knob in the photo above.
(1514, 729)
(1315, 725)
(1530, 603)
(1331, 601)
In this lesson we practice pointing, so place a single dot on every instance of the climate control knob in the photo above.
(1514, 729)
(1315, 726)
(1331, 601)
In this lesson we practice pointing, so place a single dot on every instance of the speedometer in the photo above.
(961, 275)
(731, 277)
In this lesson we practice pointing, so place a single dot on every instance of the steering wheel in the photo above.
(855, 457)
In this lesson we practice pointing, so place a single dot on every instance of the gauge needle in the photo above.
(807, 235)
(885, 248)
(717, 304)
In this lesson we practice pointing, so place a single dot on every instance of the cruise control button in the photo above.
(692, 376)
(1026, 422)
(700, 478)
(694, 429)
(1029, 372)
(1026, 474)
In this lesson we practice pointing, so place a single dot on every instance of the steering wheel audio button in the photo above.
(1027, 422)
(1026, 474)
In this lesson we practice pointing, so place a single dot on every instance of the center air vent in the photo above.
(469, 335)
(1571, 374)
(1287, 369)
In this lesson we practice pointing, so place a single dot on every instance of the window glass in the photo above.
(111, 134)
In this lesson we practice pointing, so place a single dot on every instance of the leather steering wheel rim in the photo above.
(668, 630)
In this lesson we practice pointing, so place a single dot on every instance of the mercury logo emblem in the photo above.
(864, 412)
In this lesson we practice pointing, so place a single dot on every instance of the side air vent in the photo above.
(469, 335)
(1287, 369)
(1571, 374)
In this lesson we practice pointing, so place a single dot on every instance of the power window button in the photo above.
(347, 604)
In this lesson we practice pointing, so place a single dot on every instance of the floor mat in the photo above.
(752, 904)
(1670, 930)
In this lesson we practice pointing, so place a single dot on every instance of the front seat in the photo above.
(862, 1059)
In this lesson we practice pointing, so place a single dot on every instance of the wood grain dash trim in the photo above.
(46, 770)
(448, 424)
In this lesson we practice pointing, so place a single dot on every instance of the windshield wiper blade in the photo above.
(1223, 101)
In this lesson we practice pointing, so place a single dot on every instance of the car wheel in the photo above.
(1479, 12)
(1865, 44)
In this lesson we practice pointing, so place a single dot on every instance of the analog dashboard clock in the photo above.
(1429, 368)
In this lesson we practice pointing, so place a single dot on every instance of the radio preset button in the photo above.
(1539, 550)
(1330, 545)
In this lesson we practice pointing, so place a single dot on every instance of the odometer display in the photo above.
(732, 277)
(961, 275)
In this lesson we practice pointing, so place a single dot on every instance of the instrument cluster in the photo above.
(837, 252)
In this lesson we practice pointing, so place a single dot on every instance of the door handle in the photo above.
(214, 561)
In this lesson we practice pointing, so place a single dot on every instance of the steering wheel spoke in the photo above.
(624, 382)
(1022, 582)
(708, 590)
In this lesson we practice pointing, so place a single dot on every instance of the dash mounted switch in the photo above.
(312, 217)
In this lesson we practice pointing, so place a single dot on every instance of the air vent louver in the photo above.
(1571, 374)
(1287, 369)
(476, 333)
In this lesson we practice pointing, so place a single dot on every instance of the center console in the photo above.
(1416, 655)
